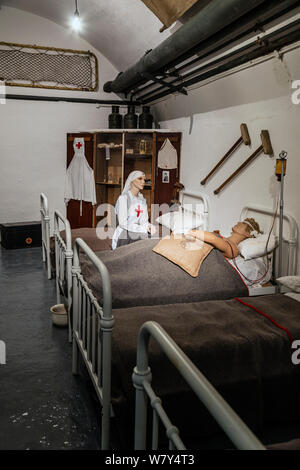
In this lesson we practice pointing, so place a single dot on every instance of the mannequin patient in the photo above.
(249, 228)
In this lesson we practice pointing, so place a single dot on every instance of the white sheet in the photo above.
(253, 269)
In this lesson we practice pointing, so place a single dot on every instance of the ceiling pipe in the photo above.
(253, 22)
(267, 43)
(70, 100)
(240, 57)
(210, 20)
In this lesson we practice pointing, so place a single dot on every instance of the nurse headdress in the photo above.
(131, 177)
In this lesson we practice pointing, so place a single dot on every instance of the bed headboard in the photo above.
(196, 203)
(264, 217)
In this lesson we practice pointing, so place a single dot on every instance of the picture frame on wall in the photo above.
(166, 176)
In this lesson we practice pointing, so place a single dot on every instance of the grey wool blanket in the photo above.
(141, 277)
(245, 356)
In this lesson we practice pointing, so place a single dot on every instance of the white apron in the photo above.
(80, 181)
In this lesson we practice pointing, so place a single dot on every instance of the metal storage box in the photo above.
(21, 235)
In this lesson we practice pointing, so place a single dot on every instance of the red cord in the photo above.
(253, 281)
(268, 317)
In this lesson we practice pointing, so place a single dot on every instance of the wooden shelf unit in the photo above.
(129, 150)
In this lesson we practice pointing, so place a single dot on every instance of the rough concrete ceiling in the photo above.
(122, 30)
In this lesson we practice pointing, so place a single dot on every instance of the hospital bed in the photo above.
(195, 202)
(48, 243)
(125, 296)
(290, 238)
(64, 239)
(57, 251)
(229, 421)
(106, 338)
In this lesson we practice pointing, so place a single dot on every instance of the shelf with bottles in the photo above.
(138, 145)
(109, 183)
(141, 156)
(109, 160)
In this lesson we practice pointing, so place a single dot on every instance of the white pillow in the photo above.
(256, 247)
(180, 221)
(291, 282)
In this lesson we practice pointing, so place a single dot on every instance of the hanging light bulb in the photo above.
(76, 22)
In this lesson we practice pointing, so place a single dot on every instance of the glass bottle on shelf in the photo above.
(130, 119)
(143, 147)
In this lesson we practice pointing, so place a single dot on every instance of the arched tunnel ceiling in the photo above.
(122, 30)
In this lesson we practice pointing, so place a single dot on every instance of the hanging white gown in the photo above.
(80, 181)
(132, 215)
(167, 156)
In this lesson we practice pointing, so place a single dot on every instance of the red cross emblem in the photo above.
(138, 211)
(78, 145)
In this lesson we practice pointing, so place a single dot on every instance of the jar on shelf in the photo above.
(130, 119)
(115, 118)
(145, 118)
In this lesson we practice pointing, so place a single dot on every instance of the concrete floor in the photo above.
(42, 406)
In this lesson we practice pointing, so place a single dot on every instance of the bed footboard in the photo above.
(228, 420)
(45, 222)
(92, 329)
(63, 264)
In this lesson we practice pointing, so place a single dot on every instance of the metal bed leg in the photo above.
(69, 257)
(138, 378)
(57, 261)
(106, 328)
(47, 233)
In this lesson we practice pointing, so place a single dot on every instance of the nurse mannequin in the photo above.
(131, 209)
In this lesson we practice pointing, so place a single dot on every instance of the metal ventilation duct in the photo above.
(210, 20)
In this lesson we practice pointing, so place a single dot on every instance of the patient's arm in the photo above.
(227, 248)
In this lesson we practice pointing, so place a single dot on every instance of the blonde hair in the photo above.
(252, 225)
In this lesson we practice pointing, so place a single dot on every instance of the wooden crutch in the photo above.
(244, 138)
(266, 147)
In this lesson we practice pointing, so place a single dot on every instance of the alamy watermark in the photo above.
(296, 354)
(2, 93)
(178, 220)
(2, 352)
(296, 93)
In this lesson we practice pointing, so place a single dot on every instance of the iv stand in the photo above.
(282, 157)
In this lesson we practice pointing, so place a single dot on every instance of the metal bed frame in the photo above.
(63, 265)
(193, 201)
(92, 334)
(291, 246)
(45, 221)
(64, 252)
(93, 324)
(92, 330)
(228, 420)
